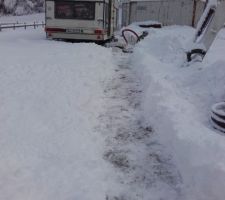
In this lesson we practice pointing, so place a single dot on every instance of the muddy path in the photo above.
(141, 165)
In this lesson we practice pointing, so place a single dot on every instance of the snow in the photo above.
(24, 18)
(51, 96)
(9, 4)
(80, 121)
(177, 100)
(21, 7)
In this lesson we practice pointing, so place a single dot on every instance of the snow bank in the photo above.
(51, 95)
(177, 101)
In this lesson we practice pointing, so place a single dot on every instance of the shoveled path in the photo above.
(143, 169)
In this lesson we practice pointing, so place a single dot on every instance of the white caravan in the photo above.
(211, 22)
(82, 20)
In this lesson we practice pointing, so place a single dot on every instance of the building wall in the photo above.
(167, 12)
(125, 14)
(199, 10)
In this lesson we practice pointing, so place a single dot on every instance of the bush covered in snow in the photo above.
(21, 7)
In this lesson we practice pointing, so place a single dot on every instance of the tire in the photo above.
(219, 110)
(218, 116)
(195, 51)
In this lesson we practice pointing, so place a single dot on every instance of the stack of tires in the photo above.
(218, 116)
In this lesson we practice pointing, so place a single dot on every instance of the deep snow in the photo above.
(80, 121)
(51, 95)
(176, 101)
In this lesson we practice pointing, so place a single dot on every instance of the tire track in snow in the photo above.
(141, 166)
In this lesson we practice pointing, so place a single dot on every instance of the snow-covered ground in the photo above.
(51, 96)
(80, 121)
(176, 101)
(24, 18)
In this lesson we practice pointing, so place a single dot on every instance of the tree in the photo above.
(20, 7)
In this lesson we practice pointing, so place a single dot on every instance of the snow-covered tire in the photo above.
(218, 116)
(200, 52)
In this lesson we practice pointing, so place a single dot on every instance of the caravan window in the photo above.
(75, 10)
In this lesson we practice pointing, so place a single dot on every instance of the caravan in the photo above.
(82, 20)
